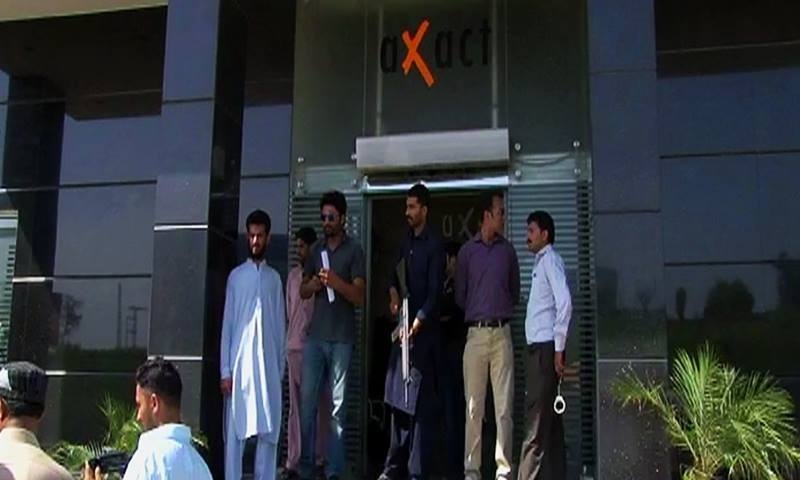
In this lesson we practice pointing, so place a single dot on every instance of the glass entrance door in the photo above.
(454, 215)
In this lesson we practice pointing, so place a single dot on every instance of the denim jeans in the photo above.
(321, 358)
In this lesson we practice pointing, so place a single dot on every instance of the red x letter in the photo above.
(413, 56)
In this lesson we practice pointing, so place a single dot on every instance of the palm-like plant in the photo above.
(122, 435)
(123, 429)
(725, 421)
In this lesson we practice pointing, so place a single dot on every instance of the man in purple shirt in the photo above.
(487, 288)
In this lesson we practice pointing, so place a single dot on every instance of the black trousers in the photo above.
(453, 406)
(410, 445)
(543, 454)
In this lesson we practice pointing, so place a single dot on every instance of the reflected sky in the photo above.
(111, 149)
(730, 210)
(760, 280)
(3, 119)
(266, 139)
(728, 112)
(268, 194)
(3, 86)
(105, 230)
(98, 306)
(741, 208)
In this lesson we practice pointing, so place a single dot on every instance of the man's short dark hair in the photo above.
(23, 388)
(162, 378)
(335, 199)
(307, 235)
(421, 193)
(545, 222)
(259, 217)
(486, 201)
(19, 409)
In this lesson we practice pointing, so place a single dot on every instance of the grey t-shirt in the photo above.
(335, 322)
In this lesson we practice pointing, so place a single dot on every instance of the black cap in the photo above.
(23, 382)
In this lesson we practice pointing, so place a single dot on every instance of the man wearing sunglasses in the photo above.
(334, 275)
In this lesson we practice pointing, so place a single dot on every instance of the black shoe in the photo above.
(320, 473)
(289, 475)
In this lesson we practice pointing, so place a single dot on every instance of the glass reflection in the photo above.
(630, 305)
(751, 313)
(687, 24)
(3, 115)
(268, 194)
(31, 153)
(779, 205)
(777, 94)
(85, 324)
(266, 139)
(36, 233)
(707, 113)
(105, 230)
(738, 208)
(4, 80)
(547, 74)
(110, 149)
(71, 411)
(328, 82)
(458, 81)
(707, 204)
(739, 111)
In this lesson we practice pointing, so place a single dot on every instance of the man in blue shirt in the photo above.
(543, 454)
(421, 263)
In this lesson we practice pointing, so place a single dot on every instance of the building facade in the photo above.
(136, 136)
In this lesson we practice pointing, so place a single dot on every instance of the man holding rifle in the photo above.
(410, 378)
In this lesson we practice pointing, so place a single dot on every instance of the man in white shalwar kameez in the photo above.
(252, 356)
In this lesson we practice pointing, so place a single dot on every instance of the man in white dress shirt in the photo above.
(165, 449)
(549, 310)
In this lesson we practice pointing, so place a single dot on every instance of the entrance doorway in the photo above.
(454, 215)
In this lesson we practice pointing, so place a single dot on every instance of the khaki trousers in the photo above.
(489, 354)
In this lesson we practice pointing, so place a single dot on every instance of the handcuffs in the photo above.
(559, 405)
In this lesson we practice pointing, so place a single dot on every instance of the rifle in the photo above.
(405, 346)
(404, 326)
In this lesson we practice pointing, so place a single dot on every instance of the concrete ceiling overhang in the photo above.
(12, 10)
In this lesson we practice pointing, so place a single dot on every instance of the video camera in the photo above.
(110, 462)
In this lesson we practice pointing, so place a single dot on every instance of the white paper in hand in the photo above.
(326, 264)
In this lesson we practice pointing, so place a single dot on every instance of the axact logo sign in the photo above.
(446, 44)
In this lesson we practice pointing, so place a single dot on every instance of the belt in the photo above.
(495, 323)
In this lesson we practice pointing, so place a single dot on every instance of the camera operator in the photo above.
(165, 449)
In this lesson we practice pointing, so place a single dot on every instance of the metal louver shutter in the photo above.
(569, 205)
(304, 212)
(5, 302)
